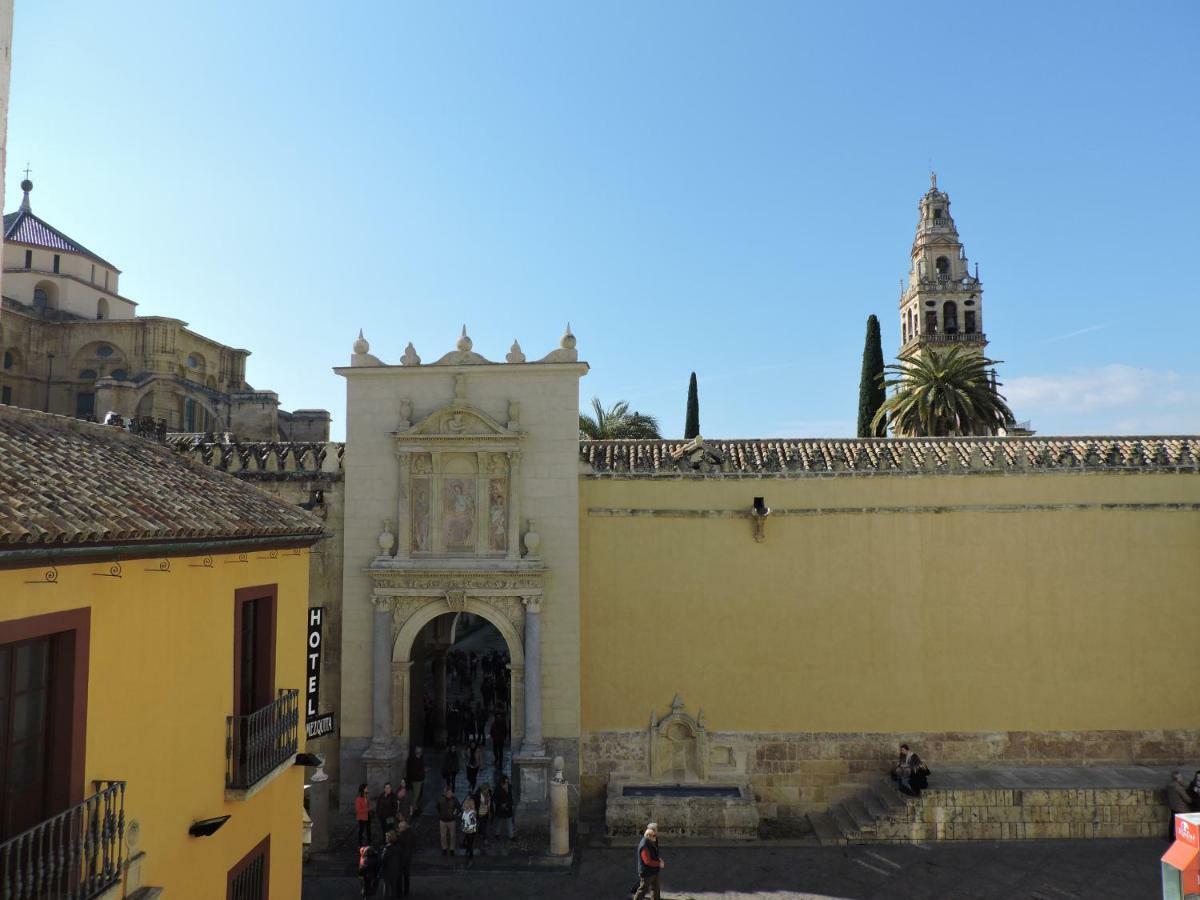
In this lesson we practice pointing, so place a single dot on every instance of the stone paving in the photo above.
(1039, 870)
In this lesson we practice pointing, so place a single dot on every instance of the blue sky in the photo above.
(725, 188)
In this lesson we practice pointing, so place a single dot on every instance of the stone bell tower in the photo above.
(942, 306)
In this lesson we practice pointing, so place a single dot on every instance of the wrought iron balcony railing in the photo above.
(258, 743)
(75, 855)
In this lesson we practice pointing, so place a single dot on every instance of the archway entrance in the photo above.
(461, 686)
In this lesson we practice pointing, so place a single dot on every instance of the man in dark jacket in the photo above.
(397, 862)
(499, 736)
(1177, 802)
(502, 813)
(414, 773)
(389, 866)
(649, 864)
(387, 810)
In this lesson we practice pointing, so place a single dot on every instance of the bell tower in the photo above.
(942, 306)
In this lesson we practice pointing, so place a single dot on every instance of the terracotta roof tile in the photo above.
(65, 482)
(810, 455)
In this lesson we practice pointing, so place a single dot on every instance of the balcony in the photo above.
(260, 743)
(76, 855)
(976, 338)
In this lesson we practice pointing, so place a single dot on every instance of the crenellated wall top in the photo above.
(267, 460)
(819, 457)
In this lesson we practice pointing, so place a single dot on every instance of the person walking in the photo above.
(414, 773)
(503, 808)
(450, 767)
(447, 812)
(499, 736)
(484, 806)
(406, 844)
(362, 815)
(474, 764)
(649, 863)
(1177, 801)
(403, 804)
(470, 825)
(481, 718)
(386, 810)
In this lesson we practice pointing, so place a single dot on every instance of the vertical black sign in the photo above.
(316, 618)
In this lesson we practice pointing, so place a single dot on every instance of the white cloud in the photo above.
(1112, 399)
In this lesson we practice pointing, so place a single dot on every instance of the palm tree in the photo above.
(616, 423)
(944, 394)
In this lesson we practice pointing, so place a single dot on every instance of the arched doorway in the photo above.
(423, 659)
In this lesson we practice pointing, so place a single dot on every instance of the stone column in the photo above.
(560, 822)
(403, 525)
(532, 744)
(380, 756)
(401, 714)
(531, 761)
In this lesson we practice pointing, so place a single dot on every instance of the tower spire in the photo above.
(26, 186)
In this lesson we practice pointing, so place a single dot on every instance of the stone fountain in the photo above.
(678, 790)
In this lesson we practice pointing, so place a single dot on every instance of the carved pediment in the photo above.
(457, 421)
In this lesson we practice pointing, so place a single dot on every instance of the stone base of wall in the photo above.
(1016, 815)
(799, 773)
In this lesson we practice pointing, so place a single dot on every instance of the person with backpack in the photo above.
(503, 808)
(483, 811)
(362, 815)
(470, 825)
(447, 812)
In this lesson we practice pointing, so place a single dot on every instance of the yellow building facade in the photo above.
(152, 659)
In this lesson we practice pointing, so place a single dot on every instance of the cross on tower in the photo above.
(27, 171)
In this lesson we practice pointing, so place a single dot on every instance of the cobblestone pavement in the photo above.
(1039, 870)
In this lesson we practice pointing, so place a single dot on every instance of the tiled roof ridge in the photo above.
(65, 482)
(69, 244)
(806, 455)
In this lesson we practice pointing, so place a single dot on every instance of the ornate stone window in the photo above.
(943, 268)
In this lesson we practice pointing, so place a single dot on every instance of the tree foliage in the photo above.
(692, 427)
(616, 423)
(943, 394)
(870, 385)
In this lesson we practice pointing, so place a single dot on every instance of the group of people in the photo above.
(481, 815)
(390, 866)
(1183, 796)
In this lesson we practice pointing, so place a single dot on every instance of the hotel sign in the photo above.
(316, 723)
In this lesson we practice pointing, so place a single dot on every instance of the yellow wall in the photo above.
(160, 686)
(960, 613)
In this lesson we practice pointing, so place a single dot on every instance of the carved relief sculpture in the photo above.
(458, 513)
(498, 515)
(420, 517)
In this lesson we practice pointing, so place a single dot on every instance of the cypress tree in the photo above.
(692, 428)
(870, 387)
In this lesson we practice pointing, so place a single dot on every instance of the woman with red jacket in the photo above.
(362, 815)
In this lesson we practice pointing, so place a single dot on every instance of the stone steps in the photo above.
(1000, 806)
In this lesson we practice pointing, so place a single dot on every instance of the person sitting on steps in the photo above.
(910, 773)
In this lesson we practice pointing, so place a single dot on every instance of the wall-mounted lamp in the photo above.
(207, 827)
(759, 512)
(309, 759)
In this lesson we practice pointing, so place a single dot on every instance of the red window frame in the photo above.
(264, 660)
(263, 849)
(71, 631)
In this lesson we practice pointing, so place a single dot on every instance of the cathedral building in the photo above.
(73, 344)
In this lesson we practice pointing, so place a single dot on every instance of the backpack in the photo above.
(469, 823)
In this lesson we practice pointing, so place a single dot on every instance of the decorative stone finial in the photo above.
(566, 349)
(361, 346)
(410, 357)
(933, 180)
(464, 343)
(568, 339)
(515, 355)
